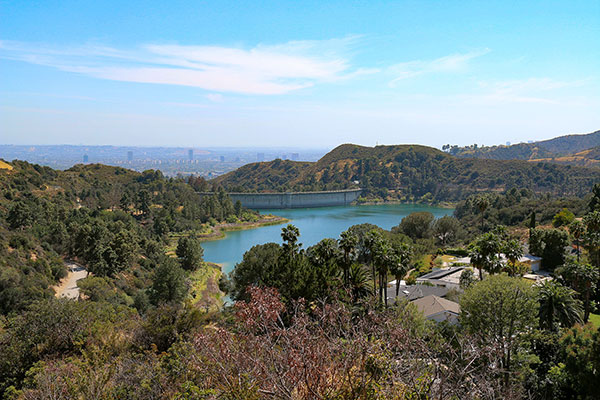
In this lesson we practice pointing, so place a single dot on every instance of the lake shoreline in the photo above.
(447, 205)
(219, 230)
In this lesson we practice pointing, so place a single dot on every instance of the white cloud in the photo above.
(215, 97)
(450, 63)
(531, 90)
(264, 69)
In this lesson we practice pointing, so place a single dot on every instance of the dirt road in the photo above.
(68, 285)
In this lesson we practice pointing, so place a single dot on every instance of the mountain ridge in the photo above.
(408, 173)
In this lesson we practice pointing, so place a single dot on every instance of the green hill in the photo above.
(570, 144)
(118, 223)
(409, 173)
(541, 150)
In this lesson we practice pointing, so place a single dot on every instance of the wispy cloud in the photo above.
(215, 97)
(449, 63)
(531, 90)
(263, 69)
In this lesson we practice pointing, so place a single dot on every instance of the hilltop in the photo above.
(408, 173)
(547, 150)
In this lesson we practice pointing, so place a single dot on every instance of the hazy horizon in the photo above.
(314, 74)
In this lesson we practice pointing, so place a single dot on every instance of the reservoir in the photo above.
(314, 224)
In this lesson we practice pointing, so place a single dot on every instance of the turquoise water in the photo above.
(314, 224)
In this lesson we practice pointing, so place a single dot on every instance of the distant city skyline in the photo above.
(311, 74)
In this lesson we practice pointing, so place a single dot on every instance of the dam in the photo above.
(329, 198)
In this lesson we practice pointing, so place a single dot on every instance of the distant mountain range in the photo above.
(413, 173)
(570, 149)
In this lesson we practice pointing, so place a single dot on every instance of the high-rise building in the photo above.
(295, 156)
(191, 154)
(130, 155)
(85, 158)
(222, 158)
(260, 157)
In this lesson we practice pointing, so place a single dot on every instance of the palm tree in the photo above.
(382, 256)
(348, 242)
(577, 230)
(582, 278)
(401, 262)
(484, 254)
(482, 203)
(373, 242)
(558, 302)
(592, 236)
(513, 250)
(358, 280)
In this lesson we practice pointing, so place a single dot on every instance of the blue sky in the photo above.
(297, 73)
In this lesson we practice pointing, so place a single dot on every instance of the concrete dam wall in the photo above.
(295, 199)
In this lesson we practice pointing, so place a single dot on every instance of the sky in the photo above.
(297, 73)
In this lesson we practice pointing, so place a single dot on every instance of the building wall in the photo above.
(295, 199)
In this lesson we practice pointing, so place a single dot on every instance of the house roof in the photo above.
(413, 292)
(431, 305)
(440, 273)
(527, 258)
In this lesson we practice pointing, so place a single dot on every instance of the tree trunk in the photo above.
(586, 308)
(374, 280)
(385, 289)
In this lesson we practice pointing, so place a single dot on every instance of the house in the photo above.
(448, 277)
(534, 262)
(438, 309)
(413, 292)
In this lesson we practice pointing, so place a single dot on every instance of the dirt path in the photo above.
(68, 285)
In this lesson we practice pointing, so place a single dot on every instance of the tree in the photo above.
(549, 244)
(257, 268)
(563, 218)
(580, 350)
(290, 235)
(577, 231)
(20, 215)
(513, 250)
(190, 253)
(238, 208)
(347, 242)
(125, 247)
(592, 236)
(467, 278)
(500, 310)
(358, 279)
(400, 263)
(482, 203)
(558, 305)
(125, 201)
(582, 278)
(143, 202)
(531, 224)
(447, 230)
(594, 204)
(168, 283)
(484, 253)
(416, 225)
(374, 248)
(324, 257)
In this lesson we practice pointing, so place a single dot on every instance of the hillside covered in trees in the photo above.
(408, 173)
(316, 322)
(558, 149)
(116, 222)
